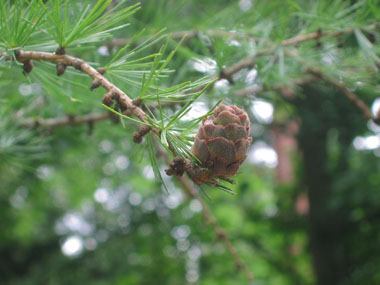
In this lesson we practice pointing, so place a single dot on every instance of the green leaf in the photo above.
(154, 162)
(19, 22)
(90, 25)
(367, 49)
(126, 117)
(186, 107)
(3, 58)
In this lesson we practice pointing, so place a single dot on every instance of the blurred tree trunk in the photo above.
(327, 224)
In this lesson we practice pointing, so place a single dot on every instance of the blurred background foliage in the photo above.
(81, 205)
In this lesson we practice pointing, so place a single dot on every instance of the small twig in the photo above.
(221, 233)
(65, 121)
(351, 96)
(193, 33)
(20, 113)
(177, 167)
(275, 87)
(138, 136)
(319, 34)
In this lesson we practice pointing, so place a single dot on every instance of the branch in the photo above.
(94, 118)
(250, 60)
(80, 64)
(351, 96)
(27, 56)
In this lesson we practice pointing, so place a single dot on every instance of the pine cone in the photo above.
(221, 144)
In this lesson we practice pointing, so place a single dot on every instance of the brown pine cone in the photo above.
(221, 144)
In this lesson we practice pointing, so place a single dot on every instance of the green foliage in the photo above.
(91, 24)
(91, 185)
(19, 22)
(367, 49)
(17, 147)
(125, 66)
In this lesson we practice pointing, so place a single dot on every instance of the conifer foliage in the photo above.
(116, 114)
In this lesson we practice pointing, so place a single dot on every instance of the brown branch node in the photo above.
(176, 167)
(60, 50)
(95, 84)
(101, 70)
(239, 266)
(27, 66)
(221, 235)
(122, 105)
(196, 173)
(137, 102)
(138, 136)
(77, 64)
(108, 99)
(61, 67)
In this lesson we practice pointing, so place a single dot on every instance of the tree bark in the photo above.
(327, 225)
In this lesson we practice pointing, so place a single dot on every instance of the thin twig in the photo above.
(315, 71)
(319, 34)
(221, 233)
(351, 96)
(20, 113)
(65, 121)
(193, 33)
(255, 89)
